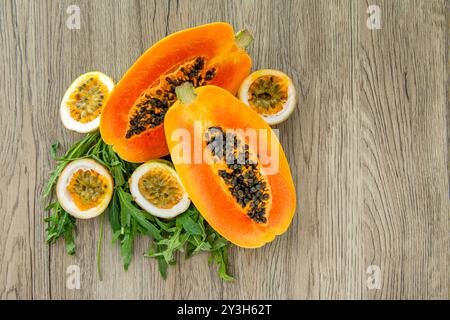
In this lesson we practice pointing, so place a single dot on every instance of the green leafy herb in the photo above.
(61, 224)
(187, 233)
(220, 257)
(80, 149)
(99, 247)
(132, 212)
(191, 234)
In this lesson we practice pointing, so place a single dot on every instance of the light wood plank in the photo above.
(401, 87)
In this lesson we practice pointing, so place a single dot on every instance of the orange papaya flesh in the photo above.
(246, 201)
(132, 119)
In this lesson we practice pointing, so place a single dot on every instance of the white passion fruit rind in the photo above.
(83, 101)
(84, 188)
(270, 93)
(156, 188)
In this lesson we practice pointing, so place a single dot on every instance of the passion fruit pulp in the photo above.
(270, 93)
(267, 95)
(83, 102)
(84, 188)
(156, 188)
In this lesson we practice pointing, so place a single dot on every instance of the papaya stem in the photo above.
(186, 93)
(244, 38)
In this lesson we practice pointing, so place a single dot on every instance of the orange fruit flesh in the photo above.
(136, 134)
(149, 109)
(241, 177)
(87, 188)
(203, 183)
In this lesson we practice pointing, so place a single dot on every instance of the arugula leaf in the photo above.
(190, 225)
(129, 210)
(126, 249)
(114, 212)
(53, 150)
(69, 242)
(99, 247)
(61, 225)
(162, 264)
(78, 150)
(116, 166)
(188, 232)
(220, 257)
(197, 244)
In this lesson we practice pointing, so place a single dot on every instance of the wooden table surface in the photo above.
(367, 146)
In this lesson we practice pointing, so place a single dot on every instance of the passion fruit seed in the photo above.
(86, 102)
(268, 94)
(87, 187)
(151, 107)
(241, 174)
(160, 188)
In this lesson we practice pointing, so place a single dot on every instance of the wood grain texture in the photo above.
(368, 147)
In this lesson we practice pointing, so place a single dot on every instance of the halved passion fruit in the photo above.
(84, 188)
(156, 188)
(83, 102)
(270, 93)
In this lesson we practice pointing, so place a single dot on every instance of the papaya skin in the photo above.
(214, 106)
(215, 42)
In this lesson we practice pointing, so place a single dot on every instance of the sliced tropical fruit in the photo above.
(84, 188)
(270, 93)
(232, 165)
(83, 101)
(156, 188)
(132, 120)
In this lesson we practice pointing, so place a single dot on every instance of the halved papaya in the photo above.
(232, 164)
(132, 119)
